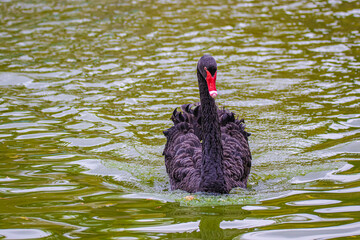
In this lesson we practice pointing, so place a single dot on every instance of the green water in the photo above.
(87, 87)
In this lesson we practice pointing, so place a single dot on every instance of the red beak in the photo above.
(211, 82)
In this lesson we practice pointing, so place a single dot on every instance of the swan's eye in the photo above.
(212, 71)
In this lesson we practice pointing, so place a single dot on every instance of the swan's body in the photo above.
(207, 148)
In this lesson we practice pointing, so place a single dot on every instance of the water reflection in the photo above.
(211, 225)
(346, 230)
(23, 233)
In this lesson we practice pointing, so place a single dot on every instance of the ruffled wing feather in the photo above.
(183, 149)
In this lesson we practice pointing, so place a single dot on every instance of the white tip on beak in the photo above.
(213, 94)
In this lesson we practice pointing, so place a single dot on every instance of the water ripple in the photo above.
(346, 230)
(88, 87)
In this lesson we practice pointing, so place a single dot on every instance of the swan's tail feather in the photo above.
(177, 117)
(226, 117)
(192, 116)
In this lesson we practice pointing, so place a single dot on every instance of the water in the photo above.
(87, 87)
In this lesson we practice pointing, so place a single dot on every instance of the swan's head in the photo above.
(207, 67)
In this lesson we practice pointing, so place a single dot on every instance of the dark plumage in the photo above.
(207, 148)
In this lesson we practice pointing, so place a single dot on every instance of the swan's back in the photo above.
(183, 151)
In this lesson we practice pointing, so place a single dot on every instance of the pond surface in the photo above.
(87, 87)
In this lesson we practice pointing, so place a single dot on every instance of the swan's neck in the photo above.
(212, 173)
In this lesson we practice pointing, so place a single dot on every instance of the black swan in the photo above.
(207, 149)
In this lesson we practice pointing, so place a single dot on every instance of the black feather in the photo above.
(183, 150)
